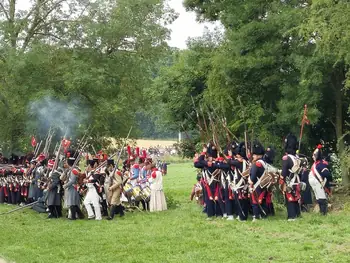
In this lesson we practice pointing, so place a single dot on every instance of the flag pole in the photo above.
(302, 126)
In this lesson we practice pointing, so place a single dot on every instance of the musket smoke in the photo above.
(64, 116)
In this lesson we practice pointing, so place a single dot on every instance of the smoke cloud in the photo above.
(64, 117)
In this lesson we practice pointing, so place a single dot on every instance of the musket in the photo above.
(204, 121)
(121, 151)
(93, 148)
(198, 120)
(186, 133)
(58, 153)
(228, 130)
(77, 159)
(199, 127)
(55, 149)
(81, 142)
(19, 208)
(48, 141)
(112, 156)
(245, 126)
(37, 149)
(215, 136)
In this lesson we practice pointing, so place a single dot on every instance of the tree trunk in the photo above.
(338, 79)
(13, 34)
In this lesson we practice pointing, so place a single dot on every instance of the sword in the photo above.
(257, 201)
(239, 204)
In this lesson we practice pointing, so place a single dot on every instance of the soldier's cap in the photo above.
(92, 162)
(110, 162)
(258, 149)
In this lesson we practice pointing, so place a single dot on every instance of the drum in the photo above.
(128, 189)
(146, 193)
(268, 179)
(136, 193)
(198, 191)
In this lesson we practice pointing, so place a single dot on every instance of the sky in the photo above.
(184, 27)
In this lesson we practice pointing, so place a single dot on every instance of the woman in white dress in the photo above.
(157, 201)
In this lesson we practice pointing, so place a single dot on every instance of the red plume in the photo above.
(144, 154)
(137, 151)
(129, 150)
(319, 146)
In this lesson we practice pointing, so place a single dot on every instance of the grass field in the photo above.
(177, 235)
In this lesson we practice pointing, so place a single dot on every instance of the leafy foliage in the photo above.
(275, 57)
(98, 54)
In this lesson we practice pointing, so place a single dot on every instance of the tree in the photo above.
(98, 54)
(277, 56)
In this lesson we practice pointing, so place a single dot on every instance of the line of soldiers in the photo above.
(236, 184)
(101, 186)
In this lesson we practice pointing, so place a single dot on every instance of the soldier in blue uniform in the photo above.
(320, 179)
(239, 164)
(257, 194)
(206, 161)
(290, 181)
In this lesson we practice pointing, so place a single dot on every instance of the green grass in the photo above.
(177, 235)
(174, 159)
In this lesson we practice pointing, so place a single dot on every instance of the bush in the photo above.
(172, 203)
(335, 167)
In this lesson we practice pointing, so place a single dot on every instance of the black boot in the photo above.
(104, 208)
(113, 212)
(73, 210)
(143, 205)
(51, 211)
(59, 210)
(323, 206)
(121, 210)
(80, 213)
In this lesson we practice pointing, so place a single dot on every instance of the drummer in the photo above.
(143, 181)
(134, 171)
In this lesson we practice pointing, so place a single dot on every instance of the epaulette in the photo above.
(258, 164)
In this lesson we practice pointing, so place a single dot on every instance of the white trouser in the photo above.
(92, 198)
(317, 187)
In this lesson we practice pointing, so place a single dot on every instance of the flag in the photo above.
(305, 118)
(65, 144)
(33, 142)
